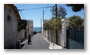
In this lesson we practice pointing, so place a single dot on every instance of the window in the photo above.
(9, 18)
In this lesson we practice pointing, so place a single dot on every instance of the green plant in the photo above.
(22, 24)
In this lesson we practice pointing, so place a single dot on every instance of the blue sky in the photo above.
(37, 14)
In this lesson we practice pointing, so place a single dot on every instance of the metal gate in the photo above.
(75, 39)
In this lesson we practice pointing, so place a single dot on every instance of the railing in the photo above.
(75, 39)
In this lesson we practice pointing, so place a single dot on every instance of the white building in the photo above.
(29, 27)
(11, 17)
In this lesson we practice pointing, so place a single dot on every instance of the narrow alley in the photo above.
(38, 42)
(47, 26)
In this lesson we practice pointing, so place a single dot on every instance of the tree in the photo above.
(22, 24)
(46, 25)
(56, 23)
(75, 21)
(61, 12)
(53, 24)
(76, 7)
(57, 12)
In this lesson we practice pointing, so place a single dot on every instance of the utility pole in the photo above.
(56, 24)
(56, 9)
(43, 22)
(43, 15)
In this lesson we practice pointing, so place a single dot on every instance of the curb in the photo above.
(51, 45)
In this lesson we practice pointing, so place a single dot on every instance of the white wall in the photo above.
(29, 27)
(21, 35)
(61, 34)
(65, 23)
(10, 30)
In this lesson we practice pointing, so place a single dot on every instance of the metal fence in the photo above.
(75, 39)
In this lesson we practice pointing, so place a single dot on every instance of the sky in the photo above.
(35, 12)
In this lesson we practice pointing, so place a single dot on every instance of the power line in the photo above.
(22, 5)
(47, 6)
(22, 14)
(35, 8)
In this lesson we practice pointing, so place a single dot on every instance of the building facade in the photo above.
(29, 27)
(11, 17)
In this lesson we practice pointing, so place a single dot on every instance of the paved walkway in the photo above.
(38, 42)
(53, 46)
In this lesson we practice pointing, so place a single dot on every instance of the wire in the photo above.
(22, 14)
(22, 5)
(47, 6)
(35, 8)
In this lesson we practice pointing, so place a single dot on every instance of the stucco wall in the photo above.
(65, 24)
(50, 35)
(29, 27)
(21, 35)
(10, 28)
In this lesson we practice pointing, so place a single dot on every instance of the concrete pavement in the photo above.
(53, 45)
(38, 42)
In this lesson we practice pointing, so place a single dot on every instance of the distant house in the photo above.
(11, 16)
(22, 30)
(29, 27)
